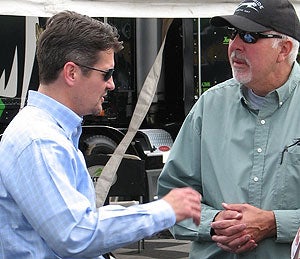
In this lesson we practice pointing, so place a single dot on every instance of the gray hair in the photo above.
(295, 49)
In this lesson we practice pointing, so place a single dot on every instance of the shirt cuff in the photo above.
(162, 212)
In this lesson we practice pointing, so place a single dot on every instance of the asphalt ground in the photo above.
(161, 246)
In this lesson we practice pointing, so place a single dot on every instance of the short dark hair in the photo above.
(70, 36)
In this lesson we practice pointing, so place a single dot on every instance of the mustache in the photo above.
(238, 56)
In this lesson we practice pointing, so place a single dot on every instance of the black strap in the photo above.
(108, 256)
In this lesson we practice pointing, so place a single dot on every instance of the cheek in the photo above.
(229, 51)
(99, 87)
(260, 63)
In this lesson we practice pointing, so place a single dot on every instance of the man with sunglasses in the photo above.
(239, 145)
(47, 197)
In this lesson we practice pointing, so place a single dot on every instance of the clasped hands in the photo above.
(240, 227)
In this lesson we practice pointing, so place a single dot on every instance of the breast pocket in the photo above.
(289, 179)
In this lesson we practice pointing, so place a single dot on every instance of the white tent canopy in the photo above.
(129, 8)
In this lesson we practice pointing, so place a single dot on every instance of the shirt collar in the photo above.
(68, 120)
(282, 93)
(285, 91)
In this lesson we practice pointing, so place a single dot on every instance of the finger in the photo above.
(192, 192)
(232, 225)
(235, 241)
(231, 214)
(237, 230)
(194, 199)
(185, 203)
(232, 241)
(235, 207)
(196, 220)
(197, 214)
(250, 245)
(240, 249)
(228, 214)
(225, 248)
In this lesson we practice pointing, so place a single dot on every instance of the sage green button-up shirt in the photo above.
(232, 153)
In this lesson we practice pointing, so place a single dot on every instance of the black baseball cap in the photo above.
(261, 16)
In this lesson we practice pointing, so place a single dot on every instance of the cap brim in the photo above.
(238, 22)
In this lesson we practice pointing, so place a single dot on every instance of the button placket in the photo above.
(260, 142)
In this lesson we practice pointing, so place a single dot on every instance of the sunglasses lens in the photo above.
(108, 74)
(248, 37)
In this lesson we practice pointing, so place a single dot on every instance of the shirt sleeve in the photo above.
(136, 222)
(287, 223)
(54, 192)
(182, 169)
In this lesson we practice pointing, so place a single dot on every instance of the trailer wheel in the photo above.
(99, 144)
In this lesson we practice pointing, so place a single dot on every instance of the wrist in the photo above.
(271, 224)
(212, 231)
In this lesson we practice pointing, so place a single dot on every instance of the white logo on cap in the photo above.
(255, 5)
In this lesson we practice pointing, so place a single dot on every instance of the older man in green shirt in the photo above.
(239, 145)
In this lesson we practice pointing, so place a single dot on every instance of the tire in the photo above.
(95, 165)
(99, 144)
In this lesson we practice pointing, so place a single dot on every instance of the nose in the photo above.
(235, 44)
(110, 84)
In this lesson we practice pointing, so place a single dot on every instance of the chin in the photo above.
(97, 111)
(242, 78)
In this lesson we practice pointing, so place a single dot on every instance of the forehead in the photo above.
(105, 56)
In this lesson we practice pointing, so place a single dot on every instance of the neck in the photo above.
(275, 80)
(56, 92)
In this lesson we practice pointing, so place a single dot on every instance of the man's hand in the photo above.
(186, 203)
(241, 226)
(260, 223)
(231, 233)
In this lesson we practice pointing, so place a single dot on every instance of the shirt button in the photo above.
(259, 150)
(262, 122)
(280, 104)
(255, 179)
(14, 226)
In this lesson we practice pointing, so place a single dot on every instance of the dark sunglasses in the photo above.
(250, 37)
(107, 73)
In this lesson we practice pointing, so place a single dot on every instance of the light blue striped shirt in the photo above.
(47, 198)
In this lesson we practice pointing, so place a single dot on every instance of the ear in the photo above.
(285, 49)
(71, 72)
